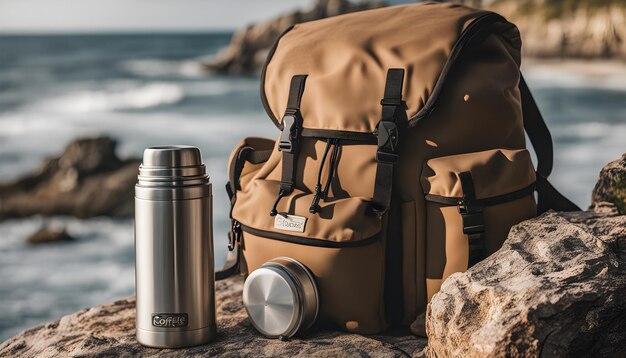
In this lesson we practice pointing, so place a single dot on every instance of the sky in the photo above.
(54, 16)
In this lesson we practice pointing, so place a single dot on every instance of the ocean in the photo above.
(151, 89)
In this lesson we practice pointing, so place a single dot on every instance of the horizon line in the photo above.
(44, 32)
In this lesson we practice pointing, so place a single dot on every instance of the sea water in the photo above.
(151, 89)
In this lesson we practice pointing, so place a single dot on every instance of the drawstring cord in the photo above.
(318, 187)
(319, 193)
(331, 172)
(273, 212)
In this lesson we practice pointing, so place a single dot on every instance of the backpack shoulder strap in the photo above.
(547, 195)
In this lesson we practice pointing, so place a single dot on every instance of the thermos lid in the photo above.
(281, 298)
(171, 156)
(171, 172)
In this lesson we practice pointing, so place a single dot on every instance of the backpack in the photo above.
(401, 157)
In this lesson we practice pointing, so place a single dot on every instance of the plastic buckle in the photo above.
(234, 235)
(387, 142)
(290, 131)
(472, 217)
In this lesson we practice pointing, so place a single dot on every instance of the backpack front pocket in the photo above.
(341, 244)
(472, 200)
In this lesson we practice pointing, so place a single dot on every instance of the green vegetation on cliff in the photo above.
(560, 8)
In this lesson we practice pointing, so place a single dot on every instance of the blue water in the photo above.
(150, 89)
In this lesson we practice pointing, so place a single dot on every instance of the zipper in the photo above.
(307, 241)
(479, 24)
(494, 200)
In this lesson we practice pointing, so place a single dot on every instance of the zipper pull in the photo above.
(315, 207)
(281, 193)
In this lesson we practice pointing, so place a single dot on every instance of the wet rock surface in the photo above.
(109, 330)
(556, 288)
(88, 179)
(49, 235)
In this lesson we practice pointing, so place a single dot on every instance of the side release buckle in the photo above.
(234, 235)
(291, 131)
(387, 142)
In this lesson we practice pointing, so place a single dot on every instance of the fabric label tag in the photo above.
(289, 223)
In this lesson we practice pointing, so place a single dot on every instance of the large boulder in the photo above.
(109, 330)
(86, 180)
(611, 186)
(556, 288)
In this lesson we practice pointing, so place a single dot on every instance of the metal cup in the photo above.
(281, 298)
(174, 274)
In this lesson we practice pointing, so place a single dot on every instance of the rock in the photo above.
(556, 288)
(109, 330)
(249, 47)
(611, 186)
(48, 235)
(87, 180)
(567, 29)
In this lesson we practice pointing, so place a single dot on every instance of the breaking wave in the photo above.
(115, 98)
(156, 68)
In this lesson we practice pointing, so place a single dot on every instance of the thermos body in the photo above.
(174, 274)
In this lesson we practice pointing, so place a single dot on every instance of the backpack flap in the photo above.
(346, 59)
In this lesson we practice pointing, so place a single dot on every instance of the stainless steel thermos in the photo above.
(174, 249)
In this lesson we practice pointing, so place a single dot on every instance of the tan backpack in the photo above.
(384, 199)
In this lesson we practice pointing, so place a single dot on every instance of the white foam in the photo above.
(115, 96)
(157, 67)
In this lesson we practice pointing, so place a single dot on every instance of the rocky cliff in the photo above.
(556, 288)
(550, 29)
(568, 29)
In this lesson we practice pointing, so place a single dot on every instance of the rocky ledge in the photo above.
(109, 330)
(88, 179)
(556, 288)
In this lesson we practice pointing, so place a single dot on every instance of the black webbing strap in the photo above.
(289, 143)
(547, 196)
(258, 156)
(472, 218)
(387, 131)
(244, 154)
